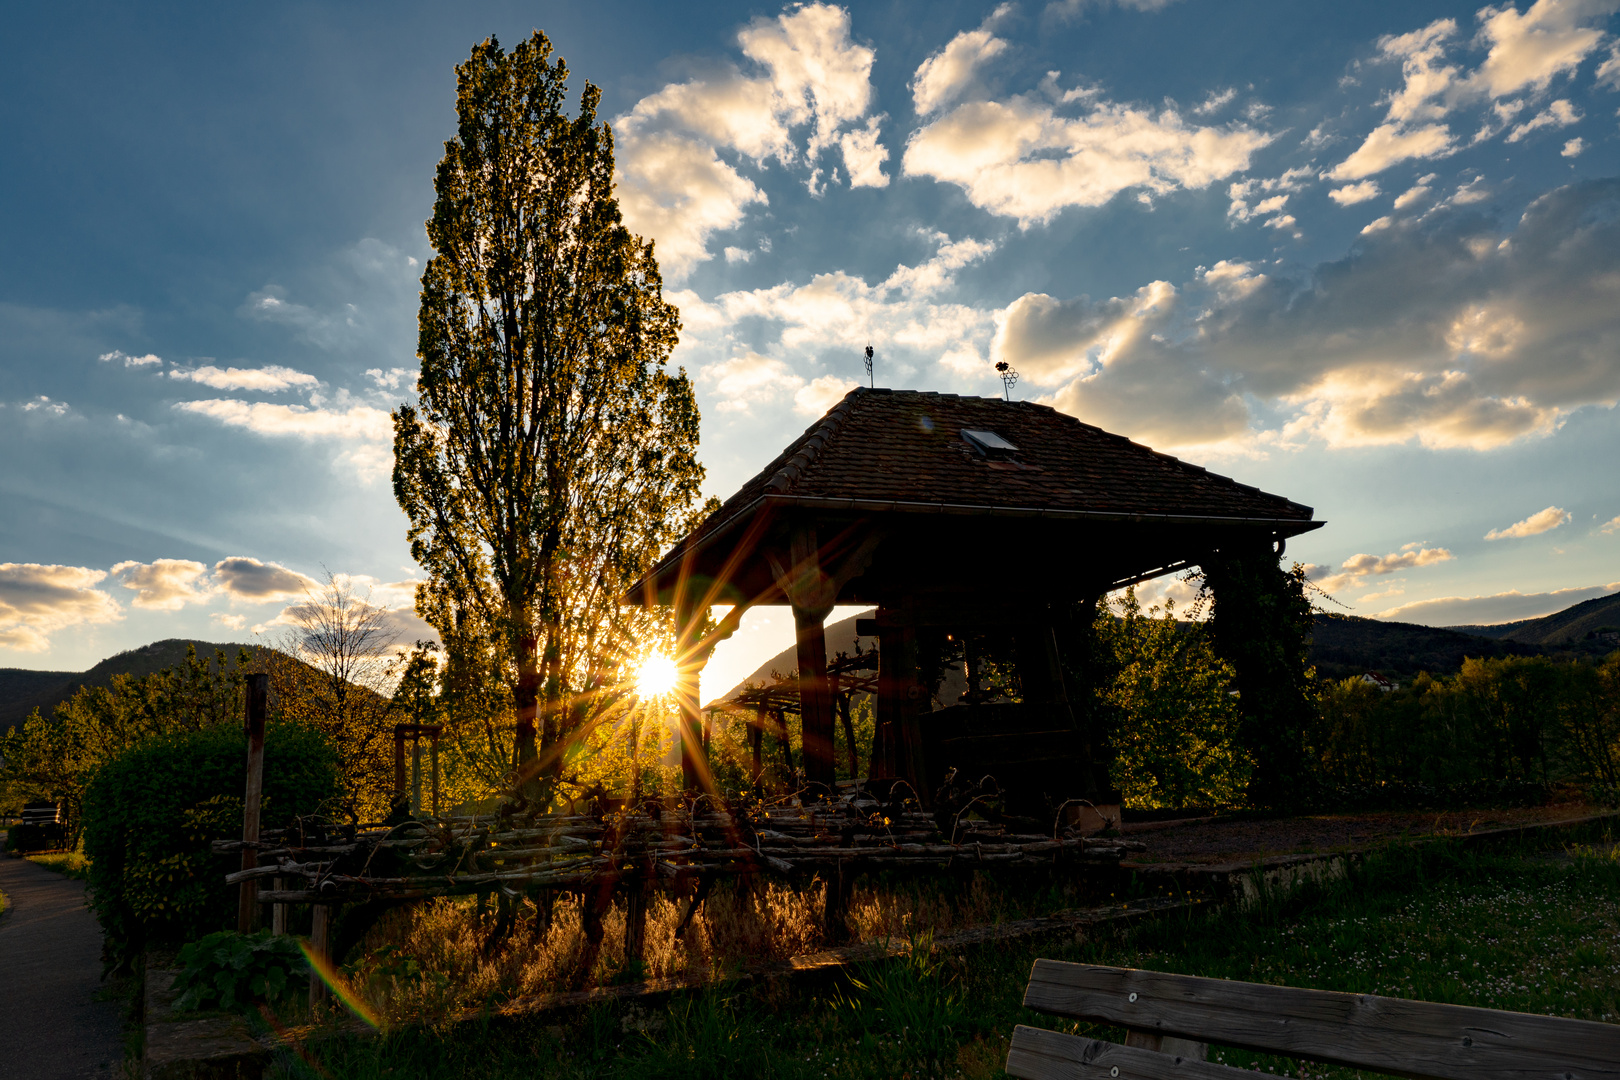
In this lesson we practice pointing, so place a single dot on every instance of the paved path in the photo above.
(51, 1026)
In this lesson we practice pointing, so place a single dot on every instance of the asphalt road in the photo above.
(51, 1026)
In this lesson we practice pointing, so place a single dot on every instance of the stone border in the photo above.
(212, 1046)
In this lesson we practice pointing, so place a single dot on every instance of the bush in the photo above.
(233, 971)
(151, 812)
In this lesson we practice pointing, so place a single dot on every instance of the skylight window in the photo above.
(989, 443)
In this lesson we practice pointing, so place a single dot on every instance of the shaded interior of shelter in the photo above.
(983, 532)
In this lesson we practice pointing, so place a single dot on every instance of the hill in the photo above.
(1347, 645)
(1590, 626)
(22, 691)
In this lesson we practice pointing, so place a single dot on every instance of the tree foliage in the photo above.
(52, 759)
(1173, 719)
(552, 454)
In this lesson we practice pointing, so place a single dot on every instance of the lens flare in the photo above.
(320, 967)
(657, 676)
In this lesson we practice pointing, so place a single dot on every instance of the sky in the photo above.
(1366, 256)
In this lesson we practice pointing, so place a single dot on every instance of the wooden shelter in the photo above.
(975, 521)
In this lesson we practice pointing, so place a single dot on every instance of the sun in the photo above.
(657, 676)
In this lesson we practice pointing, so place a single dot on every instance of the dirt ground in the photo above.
(1216, 840)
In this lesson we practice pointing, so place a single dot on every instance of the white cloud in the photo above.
(1510, 606)
(1019, 158)
(388, 380)
(1273, 193)
(164, 584)
(1354, 571)
(1215, 101)
(737, 254)
(36, 600)
(1559, 114)
(864, 155)
(1415, 193)
(1528, 50)
(1608, 72)
(130, 361)
(942, 77)
(228, 621)
(1573, 148)
(46, 405)
(251, 581)
(1391, 144)
(794, 328)
(1539, 522)
(370, 428)
(1525, 53)
(1377, 224)
(266, 379)
(1351, 194)
(1611, 526)
(1443, 331)
(672, 184)
(821, 394)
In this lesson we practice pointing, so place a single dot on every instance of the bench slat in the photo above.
(1038, 1054)
(1390, 1035)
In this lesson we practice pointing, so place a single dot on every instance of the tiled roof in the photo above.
(906, 447)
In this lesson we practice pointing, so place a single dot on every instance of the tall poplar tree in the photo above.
(552, 454)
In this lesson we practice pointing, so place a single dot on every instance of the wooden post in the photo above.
(756, 746)
(849, 733)
(635, 920)
(416, 771)
(320, 944)
(897, 703)
(689, 667)
(278, 912)
(258, 704)
(812, 592)
(399, 768)
(436, 730)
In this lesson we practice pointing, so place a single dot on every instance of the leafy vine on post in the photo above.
(551, 455)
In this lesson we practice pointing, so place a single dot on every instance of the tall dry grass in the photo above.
(444, 956)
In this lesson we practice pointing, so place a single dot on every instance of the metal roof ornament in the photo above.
(869, 381)
(1009, 377)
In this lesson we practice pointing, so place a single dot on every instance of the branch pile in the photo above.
(704, 839)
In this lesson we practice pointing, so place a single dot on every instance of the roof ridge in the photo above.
(811, 445)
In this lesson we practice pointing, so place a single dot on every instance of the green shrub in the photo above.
(151, 812)
(232, 971)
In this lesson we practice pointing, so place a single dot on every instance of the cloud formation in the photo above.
(1022, 158)
(942, 77)
(1541, 521)
(1510, 606)
(1443, 330)
(247, 579)
(130, 361)
(164, 584)
(810, 77)
(1525, 52)
(36, 600)
(799, 324)
(1354, 570)
(266, 379)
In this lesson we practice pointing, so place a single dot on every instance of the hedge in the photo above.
(151, 813)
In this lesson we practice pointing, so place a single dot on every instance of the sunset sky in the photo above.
(1366, 256)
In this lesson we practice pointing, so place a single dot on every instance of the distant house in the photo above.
(1372, 678)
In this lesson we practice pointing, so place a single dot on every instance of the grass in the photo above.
(1515, 930)
(73, 864)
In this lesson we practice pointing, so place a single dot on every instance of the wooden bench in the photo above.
(1170, 1020)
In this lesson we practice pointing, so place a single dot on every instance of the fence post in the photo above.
(320, 944)
(258, 704)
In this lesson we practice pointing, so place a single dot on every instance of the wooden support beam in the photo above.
(320, 943)
(689, 667)
(257, 708)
